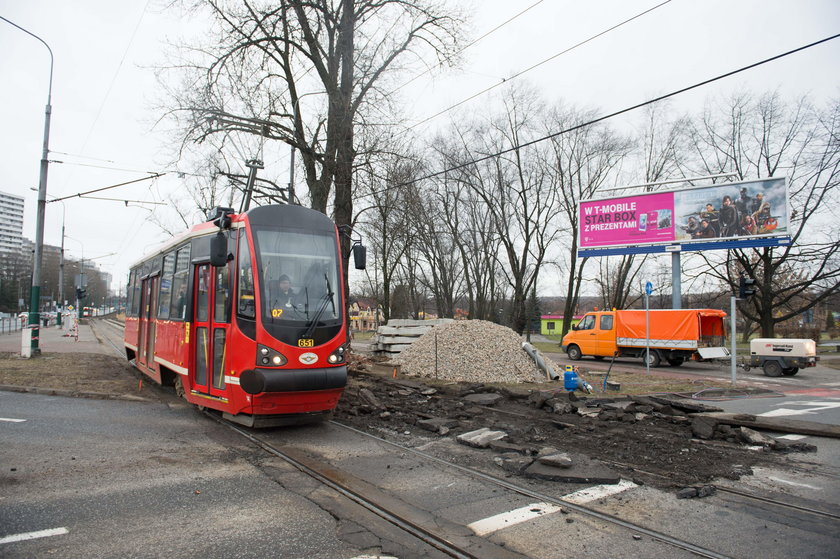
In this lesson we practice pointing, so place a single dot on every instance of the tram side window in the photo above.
(245, 302)
(222, 297)
(128, 293)
(135, 293)
(178, 308)
(166, 285)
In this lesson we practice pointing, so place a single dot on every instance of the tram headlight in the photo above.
(270, 357)
(337, 356)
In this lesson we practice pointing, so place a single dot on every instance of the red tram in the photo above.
(245, 314)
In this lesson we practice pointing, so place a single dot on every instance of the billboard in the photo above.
(734, 211)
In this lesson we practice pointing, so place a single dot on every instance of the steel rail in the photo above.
(439, 543)
(681, 544)
(816, 512)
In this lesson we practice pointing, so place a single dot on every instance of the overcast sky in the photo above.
(104, 89)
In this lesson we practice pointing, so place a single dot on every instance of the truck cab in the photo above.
(593, 335)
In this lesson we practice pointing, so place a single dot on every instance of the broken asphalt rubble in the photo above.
(560, 436)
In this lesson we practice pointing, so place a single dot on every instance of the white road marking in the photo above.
(494, 523)
(598, 492)
(34, 535)
(10, 420)
(815, 407)
(792, 437)
(506, 519)
(780, 480)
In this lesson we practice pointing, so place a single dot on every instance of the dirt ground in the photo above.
(658, 448)
(649, 446)
(81, 374)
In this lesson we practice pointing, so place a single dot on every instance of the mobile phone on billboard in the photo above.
(643, 222)
(653, 219)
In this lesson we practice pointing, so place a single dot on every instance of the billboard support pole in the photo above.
(732, 309)
(647, 328)
(676, 280)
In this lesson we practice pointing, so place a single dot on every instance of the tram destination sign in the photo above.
(732, 215)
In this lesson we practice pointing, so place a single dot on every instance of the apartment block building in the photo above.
(11, 223)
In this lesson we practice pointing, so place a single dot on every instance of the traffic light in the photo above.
(80, 293)
(746, 287)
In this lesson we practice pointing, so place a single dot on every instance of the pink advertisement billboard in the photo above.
(723, 211)
(647, 218)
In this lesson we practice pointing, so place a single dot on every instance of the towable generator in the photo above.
(780, 356)
(674, 336)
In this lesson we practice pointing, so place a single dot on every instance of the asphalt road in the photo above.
(101, 478)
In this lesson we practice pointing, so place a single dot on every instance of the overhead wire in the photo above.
(472, 43)
(538, 64)
(607, 116)
(114, 77)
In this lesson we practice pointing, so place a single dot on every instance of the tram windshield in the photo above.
(298, 272)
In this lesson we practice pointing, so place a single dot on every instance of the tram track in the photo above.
(399, 513)
(334, 478)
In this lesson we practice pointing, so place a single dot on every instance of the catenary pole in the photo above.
(35, 292)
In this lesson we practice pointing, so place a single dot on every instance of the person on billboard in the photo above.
(748, 225)
(764, 220)
(691, 227)
(761, 212)
(705, 231)
(743, 202)
(757, 203)
(728, 218)
(710, 214)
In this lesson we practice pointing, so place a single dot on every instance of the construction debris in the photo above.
(780, 424)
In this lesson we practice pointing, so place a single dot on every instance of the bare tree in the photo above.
(583, 159)
(768, 137)
(467, 220)
(517, 191)
(387, 223)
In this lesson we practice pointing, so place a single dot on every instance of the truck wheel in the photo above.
(790, 372)
(652, 358)
(574, 353)
(676, 361)
(772, 369)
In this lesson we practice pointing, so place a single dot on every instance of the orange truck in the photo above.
(673, 336)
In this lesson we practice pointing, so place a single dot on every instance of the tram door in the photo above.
(212, 324)
(148, 314)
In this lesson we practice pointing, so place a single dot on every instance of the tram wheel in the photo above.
(179, 387)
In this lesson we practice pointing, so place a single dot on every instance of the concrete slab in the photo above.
(583, 470)
(480, 438)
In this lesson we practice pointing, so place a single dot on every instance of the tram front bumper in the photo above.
(260, 380)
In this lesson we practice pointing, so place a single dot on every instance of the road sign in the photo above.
(649, 288)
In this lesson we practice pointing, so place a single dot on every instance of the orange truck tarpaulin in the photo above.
(679, 324)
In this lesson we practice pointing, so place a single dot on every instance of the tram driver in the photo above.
(281, 293)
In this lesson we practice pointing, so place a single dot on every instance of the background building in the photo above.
(11, 223)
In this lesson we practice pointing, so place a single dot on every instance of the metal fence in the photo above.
(11, 324)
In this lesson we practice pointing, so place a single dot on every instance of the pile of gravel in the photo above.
(469, 351)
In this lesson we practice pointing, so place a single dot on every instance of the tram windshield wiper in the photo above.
(327, 298)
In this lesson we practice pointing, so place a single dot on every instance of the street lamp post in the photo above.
(35, 293)
(61, 273)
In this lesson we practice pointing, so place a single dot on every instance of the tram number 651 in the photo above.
(306, 343)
